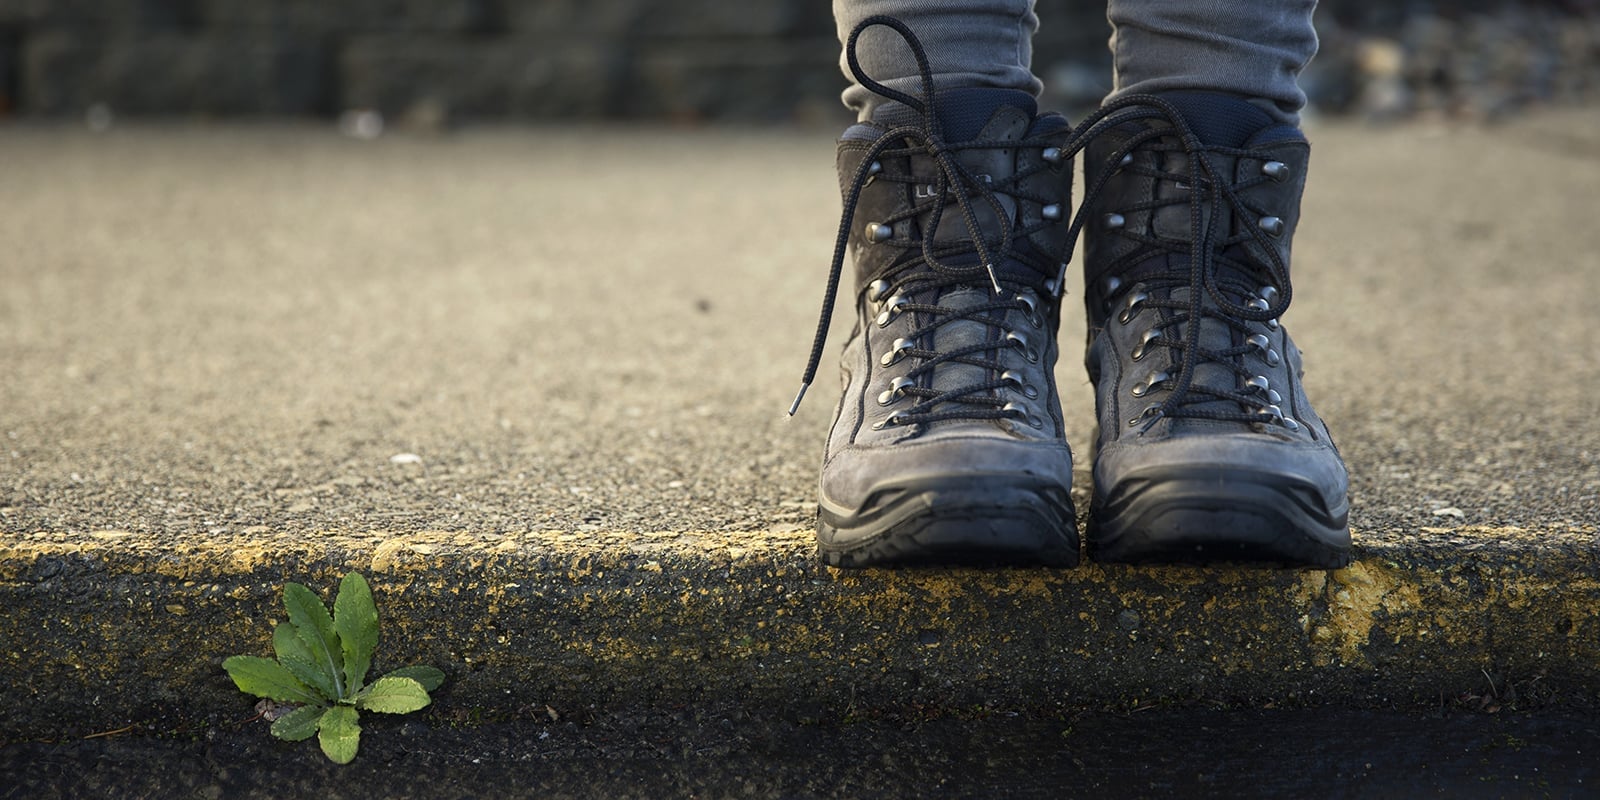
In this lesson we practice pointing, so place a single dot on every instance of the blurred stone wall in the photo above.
(430, 61)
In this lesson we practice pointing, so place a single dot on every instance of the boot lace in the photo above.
(927, 268)
(1242, 287)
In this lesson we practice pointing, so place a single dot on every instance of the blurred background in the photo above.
(431, 63)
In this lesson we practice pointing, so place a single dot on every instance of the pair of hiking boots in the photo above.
(948, 444)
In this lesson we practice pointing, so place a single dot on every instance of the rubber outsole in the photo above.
(1234, 516)
(973, 521)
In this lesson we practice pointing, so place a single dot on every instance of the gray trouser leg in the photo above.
(971, 43)
(1251, 48)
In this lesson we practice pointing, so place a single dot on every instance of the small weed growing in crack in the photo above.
(321, 666)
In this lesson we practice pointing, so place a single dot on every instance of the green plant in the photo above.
(321, 667)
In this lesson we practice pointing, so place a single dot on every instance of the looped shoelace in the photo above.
(1210, 272)
(929, 271)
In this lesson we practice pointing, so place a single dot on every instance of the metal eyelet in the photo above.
(1288, 422)
(1149, 384)
(1148, 412)
(1113, 221)
(874, 168)
(897, 351)
(1131, 308)
(1262, 343)
(893, 419)
(1052, 155)
(1013, 379)
(1110, 285)
(1052, 211)
(1141, 348)
(1269, 294)
(1020, 411)
(1032, 312)
(897, 389)
(1276, 170)
(879, 232)
(1273, 226)
(1127, 158)
(891, 309)
(877, 289)
(1261, 304)
(1020, 342)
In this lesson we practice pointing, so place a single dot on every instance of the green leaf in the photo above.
(298, 724)
(314, 626)
(264, 677)
(393, 696)
(429, 677)
(339, 734)
(292, 653)
(355, 618)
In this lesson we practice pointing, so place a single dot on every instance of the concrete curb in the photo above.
(110, 628)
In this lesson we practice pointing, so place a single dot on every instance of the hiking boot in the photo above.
(947, 445)
(1207, 449)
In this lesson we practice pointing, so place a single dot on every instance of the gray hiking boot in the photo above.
(948, 445)
(1208, 449)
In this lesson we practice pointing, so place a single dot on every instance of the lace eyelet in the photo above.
(891, 309)
(1142, 347)
(877, 289)
(1148, 412)
(1273, 226)
(897, 389)
(897, 351)
(1032, 310)
(888, 422)
(1051, 212)
(878, 232)
(1013, 379)
(1131, 308)
(1149, 384)
(1277, 171)
(1053, 155)
(1113, 221)
(1020, 411)
(1020, 342)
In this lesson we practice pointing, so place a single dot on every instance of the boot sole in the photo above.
(989, 520)
(1181, 516)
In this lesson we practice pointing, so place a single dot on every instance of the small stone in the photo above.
(361, 123)
(405, 458)
(1449, 511)
(1128, 619)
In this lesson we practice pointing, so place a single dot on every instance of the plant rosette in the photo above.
(321, 666)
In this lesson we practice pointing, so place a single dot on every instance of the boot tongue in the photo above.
(1223, 120)
(962, 112)
(965, 115)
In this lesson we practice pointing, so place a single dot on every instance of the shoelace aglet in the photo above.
(994, 280)
(795, 406)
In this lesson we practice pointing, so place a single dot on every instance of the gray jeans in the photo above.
(1251, 48)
